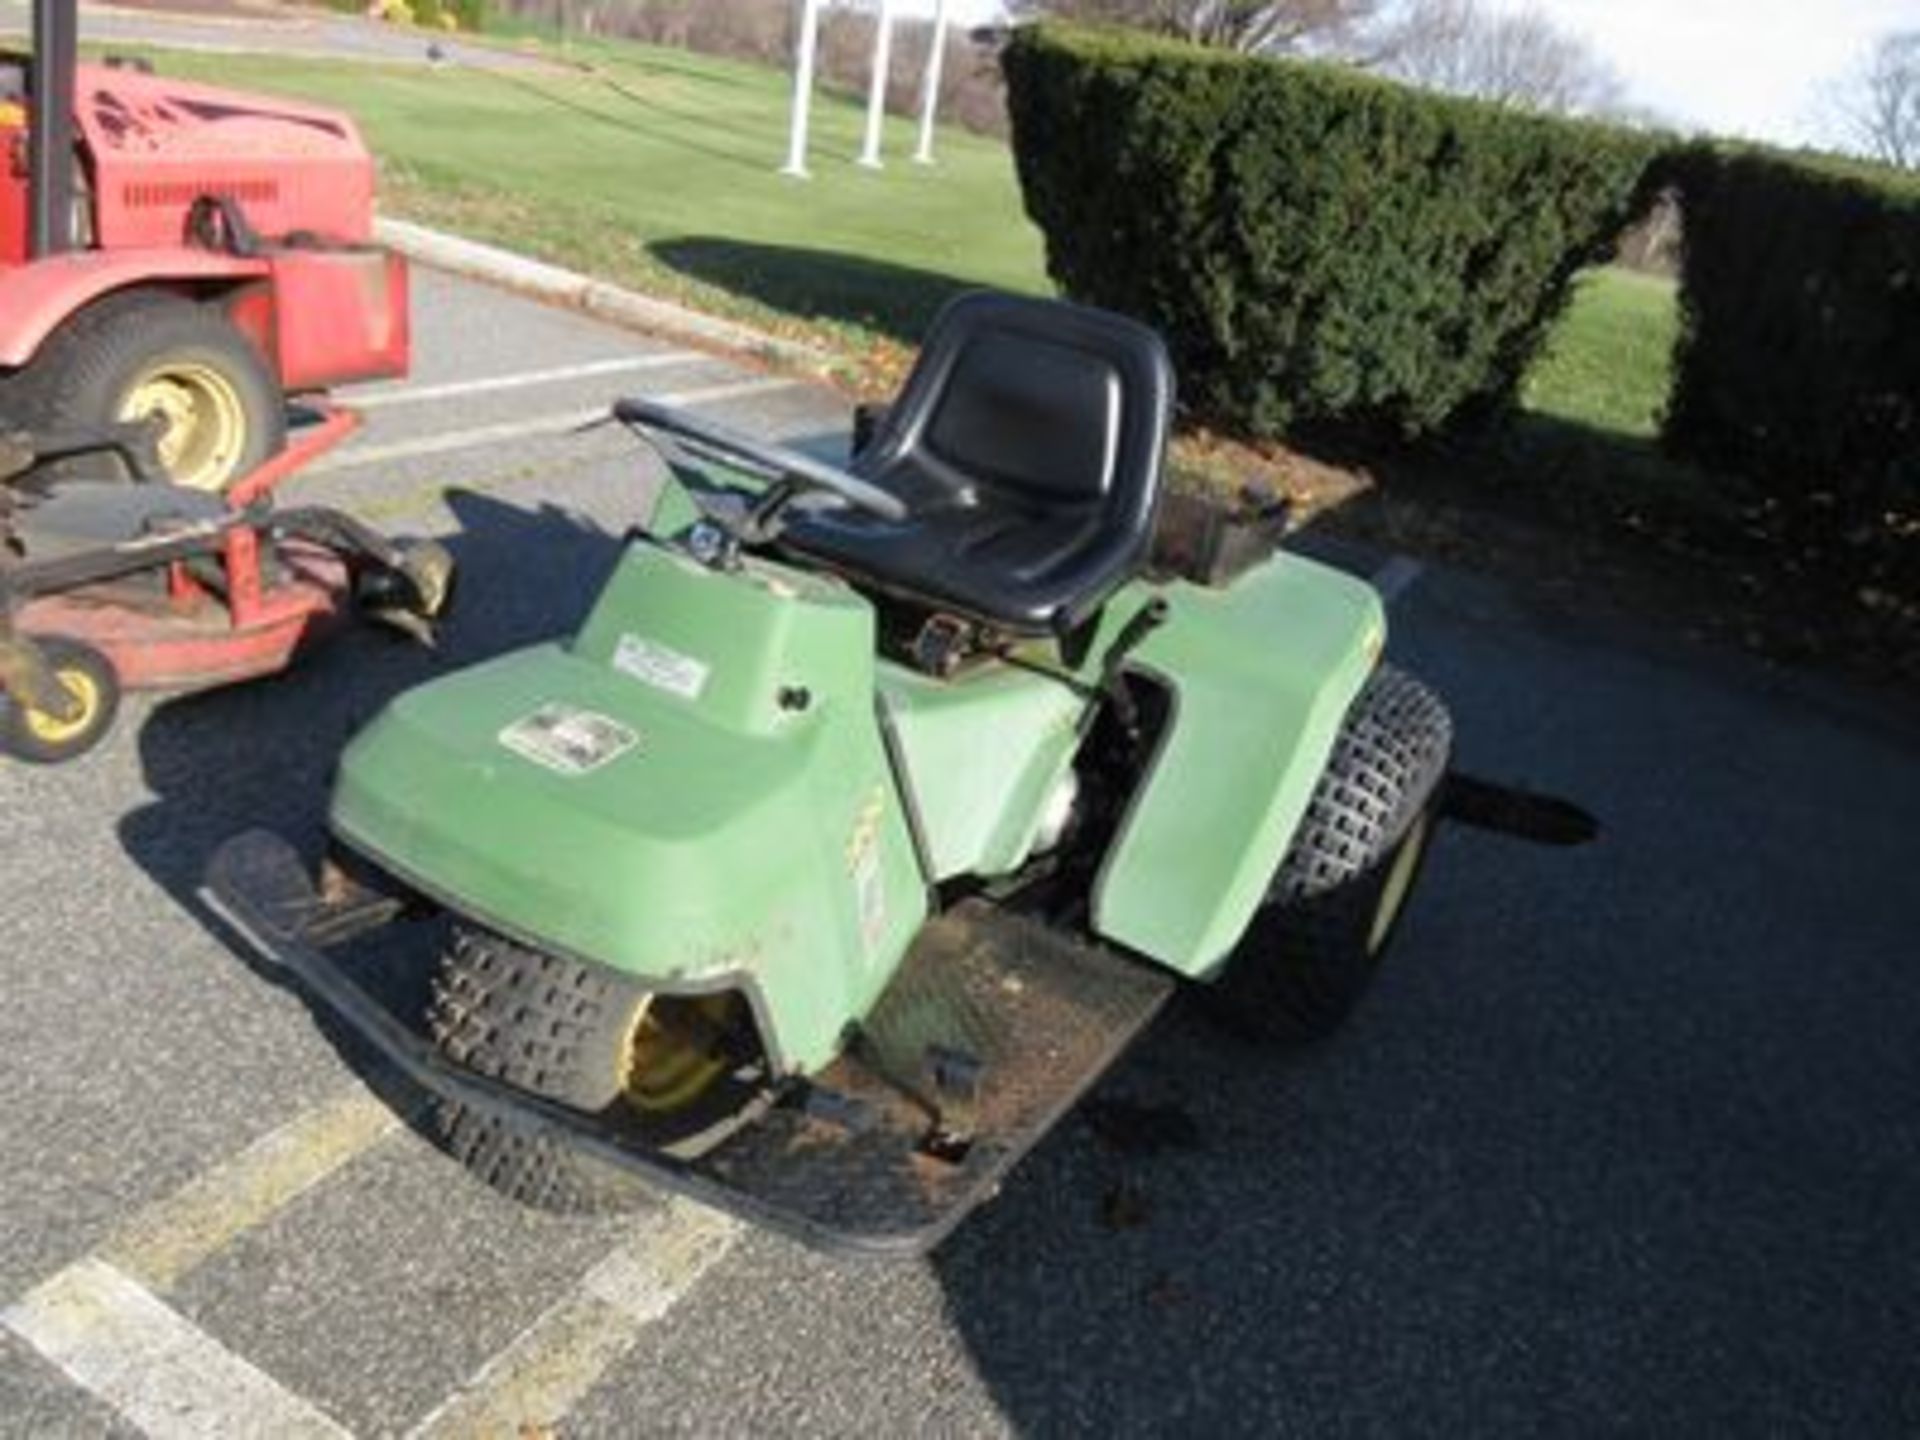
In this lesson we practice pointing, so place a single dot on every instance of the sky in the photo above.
(1742, 67)
(1754, 68)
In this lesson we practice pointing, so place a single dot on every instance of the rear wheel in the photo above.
(1333, 906)
(151, 355)
(44, 737)
(585, 1037)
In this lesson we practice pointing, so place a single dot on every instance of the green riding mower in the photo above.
(872, 811)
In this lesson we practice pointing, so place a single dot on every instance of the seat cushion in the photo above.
(1027, 445)
(1012, 565)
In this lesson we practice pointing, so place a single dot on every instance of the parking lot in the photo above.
(1626, 1139)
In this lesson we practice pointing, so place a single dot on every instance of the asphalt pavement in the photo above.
(1627, 1138)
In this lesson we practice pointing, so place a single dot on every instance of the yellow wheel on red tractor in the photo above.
(203, 439)
(585, 1037)
(180, 363)
(89, 693)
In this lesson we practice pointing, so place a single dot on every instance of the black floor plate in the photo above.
(1041, 1015)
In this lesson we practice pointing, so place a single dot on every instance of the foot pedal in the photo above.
(956, 1080)
(843, 1112)
(270, 872)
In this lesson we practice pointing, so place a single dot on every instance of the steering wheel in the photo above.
(789, 471)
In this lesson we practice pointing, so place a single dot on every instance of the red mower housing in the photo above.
(106, 588)
(323, 304)
(190, 637)
(183, 254)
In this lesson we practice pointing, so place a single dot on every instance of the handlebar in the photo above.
(776, 461)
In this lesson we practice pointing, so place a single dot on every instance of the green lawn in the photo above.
(1609, 362)
(661, 168)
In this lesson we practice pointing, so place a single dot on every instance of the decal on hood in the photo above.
(567, 739)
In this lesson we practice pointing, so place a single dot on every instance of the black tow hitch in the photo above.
(1522, 814)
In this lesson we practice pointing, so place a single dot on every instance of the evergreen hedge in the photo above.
(1799, 361)
(1322, 250)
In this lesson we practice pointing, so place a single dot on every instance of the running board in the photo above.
(989, 1032)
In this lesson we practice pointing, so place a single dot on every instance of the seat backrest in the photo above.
(1037, 404)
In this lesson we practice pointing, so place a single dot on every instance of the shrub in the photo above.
(470, 15)
(426, 13)
(1799, 361)
(1320, 248)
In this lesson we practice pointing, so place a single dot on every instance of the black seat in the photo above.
(1027, 445)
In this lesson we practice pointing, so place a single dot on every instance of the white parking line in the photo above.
(170, 1237)
(119, 1340)
(528, 1388)
(101, 1323)
(620, 365)
(1396, 577)
(357, 456)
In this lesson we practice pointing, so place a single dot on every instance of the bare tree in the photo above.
(1254, 26)
(1517, 58)
(1879, 110)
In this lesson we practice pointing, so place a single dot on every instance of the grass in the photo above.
(1585, 446)
(1609, 363)
(660, 169)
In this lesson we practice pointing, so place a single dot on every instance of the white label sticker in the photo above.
(567, 740)
(652, 663)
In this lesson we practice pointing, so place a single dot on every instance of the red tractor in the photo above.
(176, 261)
(182, 255)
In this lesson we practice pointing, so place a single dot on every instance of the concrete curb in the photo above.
(582, 292)
(274, 17)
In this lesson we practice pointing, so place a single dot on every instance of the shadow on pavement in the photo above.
(262, 755)
(1613, 1144)
(816, 285)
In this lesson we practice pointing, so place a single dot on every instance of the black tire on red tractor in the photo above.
(584, 1037)
(91, 683)
(1334, 904)
(149, 352)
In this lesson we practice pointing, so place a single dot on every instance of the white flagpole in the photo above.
(802, 90)
(877, 86)
(930, 83)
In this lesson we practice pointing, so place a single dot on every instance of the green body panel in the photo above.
(1261, 673)
(982, 753)
(753, 833)
(738, 841)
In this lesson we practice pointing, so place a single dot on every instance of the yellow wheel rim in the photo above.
(50, 729)
(1393, 895)
(206, 425)
(674, 1051)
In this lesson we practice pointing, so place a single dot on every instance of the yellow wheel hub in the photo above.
(675, 1051)
(206, 424)
(1393, 895)
(51, 729)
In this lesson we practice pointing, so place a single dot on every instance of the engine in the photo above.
(149, 147)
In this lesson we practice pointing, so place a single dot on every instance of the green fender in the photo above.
(1260, 675)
